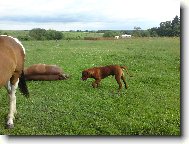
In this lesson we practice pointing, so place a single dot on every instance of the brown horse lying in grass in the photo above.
(44, 72)
(12, 55)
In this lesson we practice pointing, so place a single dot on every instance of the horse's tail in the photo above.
(22, 85)
(126, 68)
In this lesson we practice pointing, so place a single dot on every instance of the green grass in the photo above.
(150, 106)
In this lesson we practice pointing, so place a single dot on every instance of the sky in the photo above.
(68, 15)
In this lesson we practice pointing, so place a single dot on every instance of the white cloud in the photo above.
(86, 11)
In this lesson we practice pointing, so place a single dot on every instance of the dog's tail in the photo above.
(126, 68)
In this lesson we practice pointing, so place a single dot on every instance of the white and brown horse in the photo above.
(12, 56)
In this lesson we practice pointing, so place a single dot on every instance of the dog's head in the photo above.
(85, 75)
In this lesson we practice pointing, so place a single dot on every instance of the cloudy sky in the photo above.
(86, 14)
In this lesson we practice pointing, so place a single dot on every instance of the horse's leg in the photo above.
(11, 88)
(8, 87)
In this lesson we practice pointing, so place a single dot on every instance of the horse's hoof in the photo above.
(10, 126)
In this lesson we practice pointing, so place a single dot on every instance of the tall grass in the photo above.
(150, 106)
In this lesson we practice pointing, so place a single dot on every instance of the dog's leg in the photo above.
(96, 83)
(123, 78)
(117, 77)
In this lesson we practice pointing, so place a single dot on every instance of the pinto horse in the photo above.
(12, 56)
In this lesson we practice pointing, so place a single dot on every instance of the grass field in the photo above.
(150, 106)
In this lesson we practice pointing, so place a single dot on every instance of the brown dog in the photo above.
(99, 73)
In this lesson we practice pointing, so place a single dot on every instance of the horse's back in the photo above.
(43, 69)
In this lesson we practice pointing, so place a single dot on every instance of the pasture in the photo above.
(150, 106)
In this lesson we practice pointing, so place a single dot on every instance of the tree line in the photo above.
(166, 29)
(42, 34)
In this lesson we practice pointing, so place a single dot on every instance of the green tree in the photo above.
(165, 29)
(137, 31)
(153, 32)
(145, 33)
(110, 33)
(54, 35)
(38, 34)
(168, 28)
(175, 25)
(42, 34)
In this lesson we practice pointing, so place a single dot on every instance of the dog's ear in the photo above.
(85, 73)
(90, 73)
